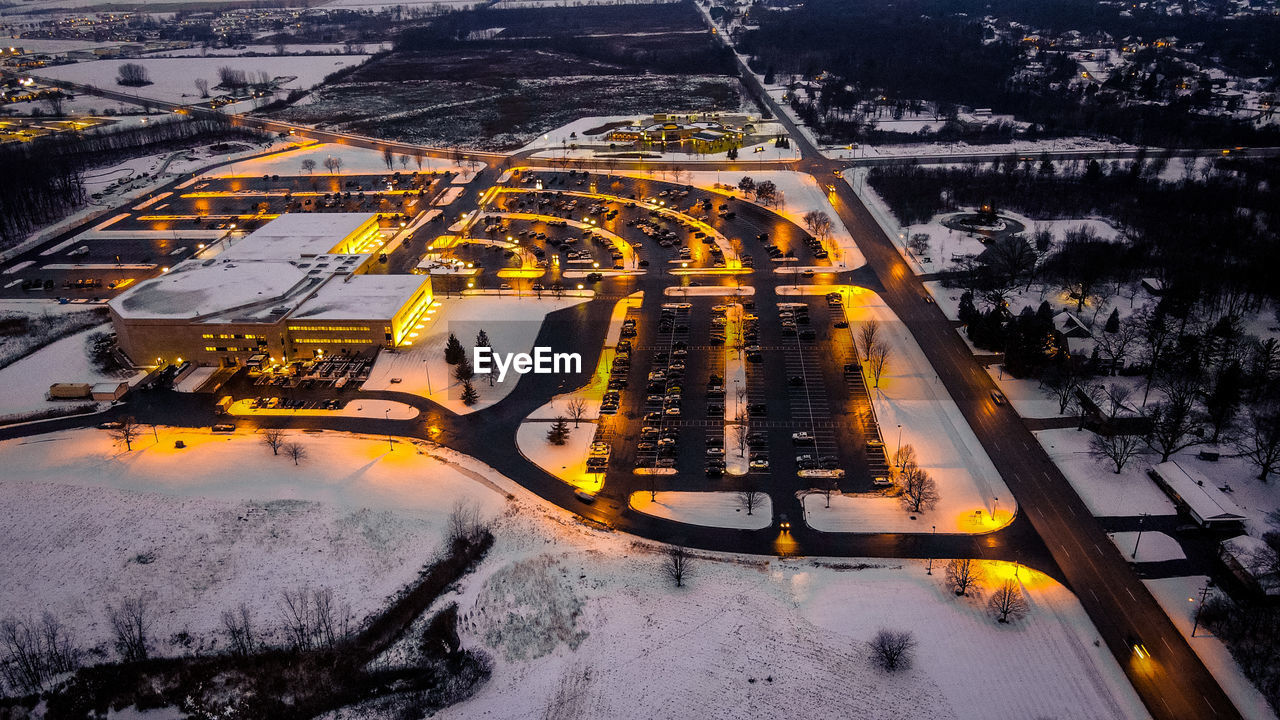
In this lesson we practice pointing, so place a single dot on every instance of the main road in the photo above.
(1172, 681)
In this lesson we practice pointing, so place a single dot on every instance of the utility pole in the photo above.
(1204, 595)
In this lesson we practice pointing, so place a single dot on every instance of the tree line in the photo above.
(48, 182)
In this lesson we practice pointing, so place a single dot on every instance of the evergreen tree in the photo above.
(482, 339)
(1113, 322)
(559, 432)
(453, 352)
(469, 394)
(464, 372)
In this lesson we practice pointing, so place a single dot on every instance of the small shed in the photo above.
(1190, 490)
(109, 391)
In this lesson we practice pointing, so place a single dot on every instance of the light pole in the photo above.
(933, 534)
(995, 505)
(1134, 554)
(897, 453)
(391, 445)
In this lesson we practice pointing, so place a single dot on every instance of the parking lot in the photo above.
(808, 422)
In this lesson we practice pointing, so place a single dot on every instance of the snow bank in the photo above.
(714, 509)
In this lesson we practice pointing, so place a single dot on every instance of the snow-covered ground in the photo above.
(26, 382)
(289, 49)
(1180, 598)
(361, 408)
(569, 612)
(173, 79)
(1151, 547)
(1104, 492)
(567, 462)
(798, 193)
(590, 627)
(911, 395)
(512, 324)
(223, 521)
(714, 509)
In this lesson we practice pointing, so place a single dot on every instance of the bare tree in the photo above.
(749, 498)
(309, 165)
(404, 162)
(963, 575)
(127, 430)
(35, 653)
(868, 338)
(904, 456)
(333, 164)
(389, 157)
(1258, 440)
(297, 452)
(132, 75)
(1174, 421)
(577, 409)
(273, 438)
(295, 608)
(131, 623)
(237, 625)
(465, 525)
(878, 360)
(676, 564)
(202, 86)
(280, 43)
(1118, 448)
(891, 650)
(818, 223)
(1007, 602)
(53, 100)
(742, 432)
(919, 491)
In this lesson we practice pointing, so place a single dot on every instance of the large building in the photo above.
(294, 289)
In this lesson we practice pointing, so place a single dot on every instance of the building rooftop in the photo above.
(360, 297)
(199, 288)
(296, 235)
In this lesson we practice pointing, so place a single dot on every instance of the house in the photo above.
(1194, 493)
(1253, 563)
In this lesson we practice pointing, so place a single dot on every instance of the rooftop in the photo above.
(295, 235)
(360, 297)
(200, 288)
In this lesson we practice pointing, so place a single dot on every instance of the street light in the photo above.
(897, 454)
(390, 443)
(1134, 554)
(933, 534)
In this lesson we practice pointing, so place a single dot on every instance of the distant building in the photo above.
(698, 130)
(293, 289)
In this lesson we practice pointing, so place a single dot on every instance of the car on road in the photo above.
(998, 397)
(801, 437)
(784, 524)
(584, 496)
(928, 299)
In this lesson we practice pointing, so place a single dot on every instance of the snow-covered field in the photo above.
(1150, 547)
(714, 509)
(173, 79)
(911, 395)
(567, 462)
(591, 628)
(570, 613)
(223, 521)
(512, 324)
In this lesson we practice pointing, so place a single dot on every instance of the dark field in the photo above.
(547, 67)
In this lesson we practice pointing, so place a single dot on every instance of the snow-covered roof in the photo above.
(1206, 503)
(294, 235)
(201, 288)
(1256, 558)
(360, 297)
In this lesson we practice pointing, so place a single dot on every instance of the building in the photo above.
(1253, 562)
(1193, 492)
(693, 128)
(295, 289)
